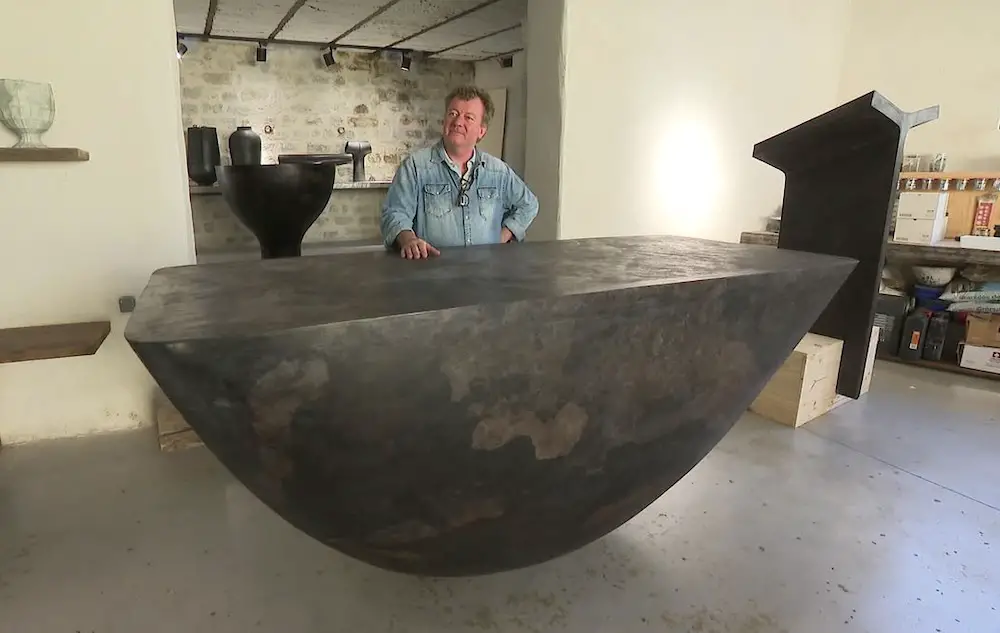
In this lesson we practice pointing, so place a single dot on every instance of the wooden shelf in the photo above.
(61, 340)
(949, 175)
(43, 155)
(942, 366)
(948, 253)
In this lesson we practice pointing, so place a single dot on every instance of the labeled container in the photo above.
(937, 334)
(914, 334)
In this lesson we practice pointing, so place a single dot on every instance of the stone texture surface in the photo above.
(485, 410)
(313, 109)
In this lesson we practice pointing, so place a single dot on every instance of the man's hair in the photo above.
(468, 93)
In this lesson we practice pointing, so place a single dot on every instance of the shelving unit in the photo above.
(942, 366)
(961, 202)
(43, 155)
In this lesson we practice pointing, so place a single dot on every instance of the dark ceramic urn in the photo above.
(203, 154)
(244, 146)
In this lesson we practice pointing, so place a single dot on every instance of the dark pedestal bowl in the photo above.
(278, 203)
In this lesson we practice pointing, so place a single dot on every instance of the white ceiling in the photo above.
(324, 20)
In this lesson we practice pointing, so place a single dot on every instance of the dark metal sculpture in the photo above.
(358, 149)
(485, 410)
(278, 203)
(841, 173)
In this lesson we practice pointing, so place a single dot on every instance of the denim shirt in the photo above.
(424, 198)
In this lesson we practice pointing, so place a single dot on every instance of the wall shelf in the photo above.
(43, 155)
(949, 175)
(61, 340)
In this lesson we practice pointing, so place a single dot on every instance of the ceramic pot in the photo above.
(28, 109)
(203, 154)
(244, 146)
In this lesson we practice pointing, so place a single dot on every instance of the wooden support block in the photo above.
(61, 340)
(805, 387)
(172, 431)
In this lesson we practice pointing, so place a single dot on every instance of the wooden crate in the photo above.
(799, 391)
(172, 430)
(805, 387)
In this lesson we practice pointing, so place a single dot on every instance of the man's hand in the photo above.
(506, 236)
(412, 247)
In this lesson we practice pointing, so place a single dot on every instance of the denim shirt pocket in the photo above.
(437, 200)
(489, 202)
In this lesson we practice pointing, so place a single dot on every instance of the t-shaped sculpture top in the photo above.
(358, 149)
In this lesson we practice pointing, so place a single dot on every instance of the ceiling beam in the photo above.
(474, 40)
(457, 16)
(257, 40)
(285, 20)
(498, 55)
(213, 8)
(382, 9)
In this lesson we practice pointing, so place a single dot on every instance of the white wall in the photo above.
(490, 75)
(665, 100)
(545, 65)
(920, 53)
(76, 236)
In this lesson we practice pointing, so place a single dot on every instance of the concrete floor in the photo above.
(883, 516)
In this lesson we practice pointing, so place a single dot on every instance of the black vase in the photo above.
(244, 146)
(203, 154)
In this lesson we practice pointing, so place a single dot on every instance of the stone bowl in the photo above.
(28, 109)
(489, 409)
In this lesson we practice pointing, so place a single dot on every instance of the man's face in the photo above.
(463, 123)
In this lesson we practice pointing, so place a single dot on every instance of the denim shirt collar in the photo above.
(443, 156)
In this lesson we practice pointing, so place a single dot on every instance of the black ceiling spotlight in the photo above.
(181, 48)
(407, 61)
(329, 58)
(507, 61)
(261, 53)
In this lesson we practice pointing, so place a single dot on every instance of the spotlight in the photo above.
(407, 61)
(261, 53)
(181, 49)
(507, 61)
(329, 59)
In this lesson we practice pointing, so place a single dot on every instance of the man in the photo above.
(453, 194)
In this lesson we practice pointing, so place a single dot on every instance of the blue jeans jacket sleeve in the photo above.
(521, 206)
(399, 209)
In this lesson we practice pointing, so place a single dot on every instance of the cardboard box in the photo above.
(910, 231)
(922, 206)
(981, 358)
(921, 218)
(983, 330)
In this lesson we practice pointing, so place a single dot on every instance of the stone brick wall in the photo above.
(312, 108)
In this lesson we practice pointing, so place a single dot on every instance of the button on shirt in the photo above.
(425, 198)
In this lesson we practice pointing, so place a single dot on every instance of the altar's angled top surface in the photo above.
(254, 298)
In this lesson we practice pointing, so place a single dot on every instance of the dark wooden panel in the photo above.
(42, 154)
(841, 170)
(52, 341)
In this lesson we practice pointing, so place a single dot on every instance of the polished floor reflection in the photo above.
(882, 516)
